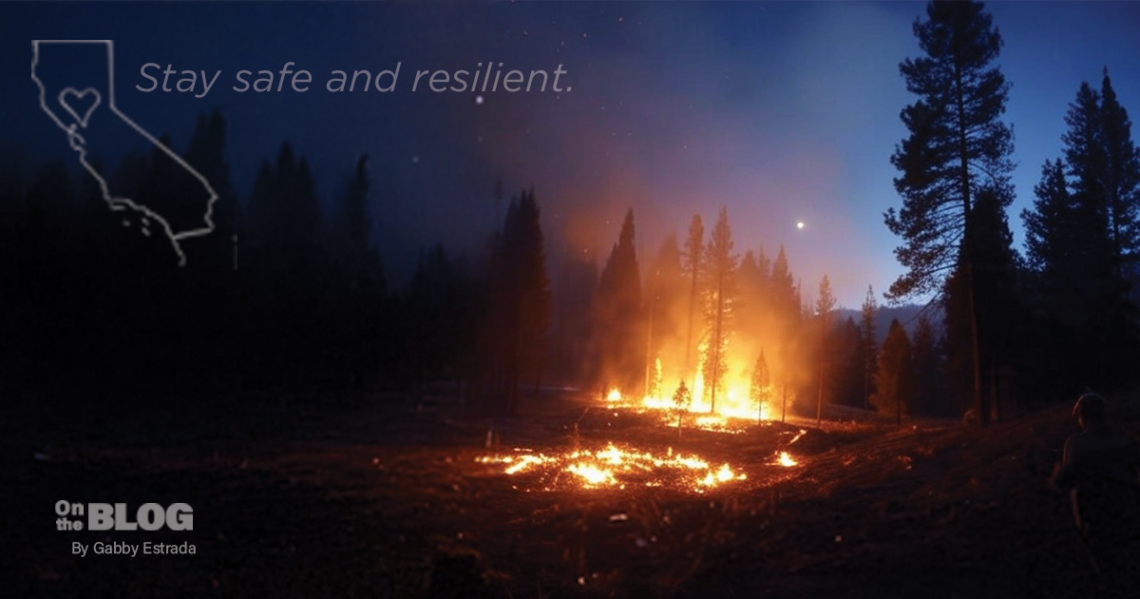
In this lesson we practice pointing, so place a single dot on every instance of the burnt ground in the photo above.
(294, 499)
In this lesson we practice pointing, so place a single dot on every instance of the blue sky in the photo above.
(780, 111)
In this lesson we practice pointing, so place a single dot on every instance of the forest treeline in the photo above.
(91, 305)
(1062, 318)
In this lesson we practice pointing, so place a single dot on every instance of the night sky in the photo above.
(780, 111)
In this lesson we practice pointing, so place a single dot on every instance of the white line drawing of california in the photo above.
(78, 144)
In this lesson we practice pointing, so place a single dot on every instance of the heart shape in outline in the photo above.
(79, 97)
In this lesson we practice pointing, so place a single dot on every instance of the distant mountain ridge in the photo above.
(907, 315)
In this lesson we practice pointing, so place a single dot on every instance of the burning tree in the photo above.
(785, 302)
(761, 390)
(694, 248)
(744, 307)
(721, 295)
(668, 305)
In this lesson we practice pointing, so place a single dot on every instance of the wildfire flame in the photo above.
(731, 416)
(786, 460)
(736, 397)
(615, 466)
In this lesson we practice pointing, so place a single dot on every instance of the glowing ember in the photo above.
(614, 396)
(591, 474)
(786, 460)
(614, 466)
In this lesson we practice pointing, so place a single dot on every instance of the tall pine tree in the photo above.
(1081, 239)
(956, 144)
(824, 306)
(618, 305)
(694, 250)
(720, 305)
(868, 344)
(894, 380)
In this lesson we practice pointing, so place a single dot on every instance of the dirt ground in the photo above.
(295, 499)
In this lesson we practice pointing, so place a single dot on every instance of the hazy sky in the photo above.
(779, 111)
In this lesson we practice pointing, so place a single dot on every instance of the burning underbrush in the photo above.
(735, 414)
(628, 448)
(614, 466)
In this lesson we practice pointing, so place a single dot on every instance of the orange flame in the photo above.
(614, 466)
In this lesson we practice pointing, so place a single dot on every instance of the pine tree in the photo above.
(927, 369)
(525, 256)
(619, 308)
(894, 380)
(1081, 236)
(437, 316)
(761, 388)
(285, 268)
(356, 301)
(206, 152)
(668, 305)
(1048, 226)
(361, 262)
(518, 311)
(572, 344)
(784, 298)
(850, 364)
(1121, 178)
(750, 283)
(1085, 159)
(956, 144)
(720, 306)
(694, 250)
(211, 316)
(785, 295)
(824, 305)
(996, 276)
(868, 344)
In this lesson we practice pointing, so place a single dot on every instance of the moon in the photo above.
(800, 225)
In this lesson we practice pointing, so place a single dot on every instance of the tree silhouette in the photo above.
(619, 312)
(667, 303)
(894, 381)
(1049, 234)
(761, 389)
(850, 364)
(211, 316)
(518, 310)
(1120, 180)
(785, 305)
(868, 344)
(996, 288)
(1081, 235)
(355, 287)
(785, 294)
(956, 144)
(572, 345)
(284, 267)
(824, 305)
(927, 369)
